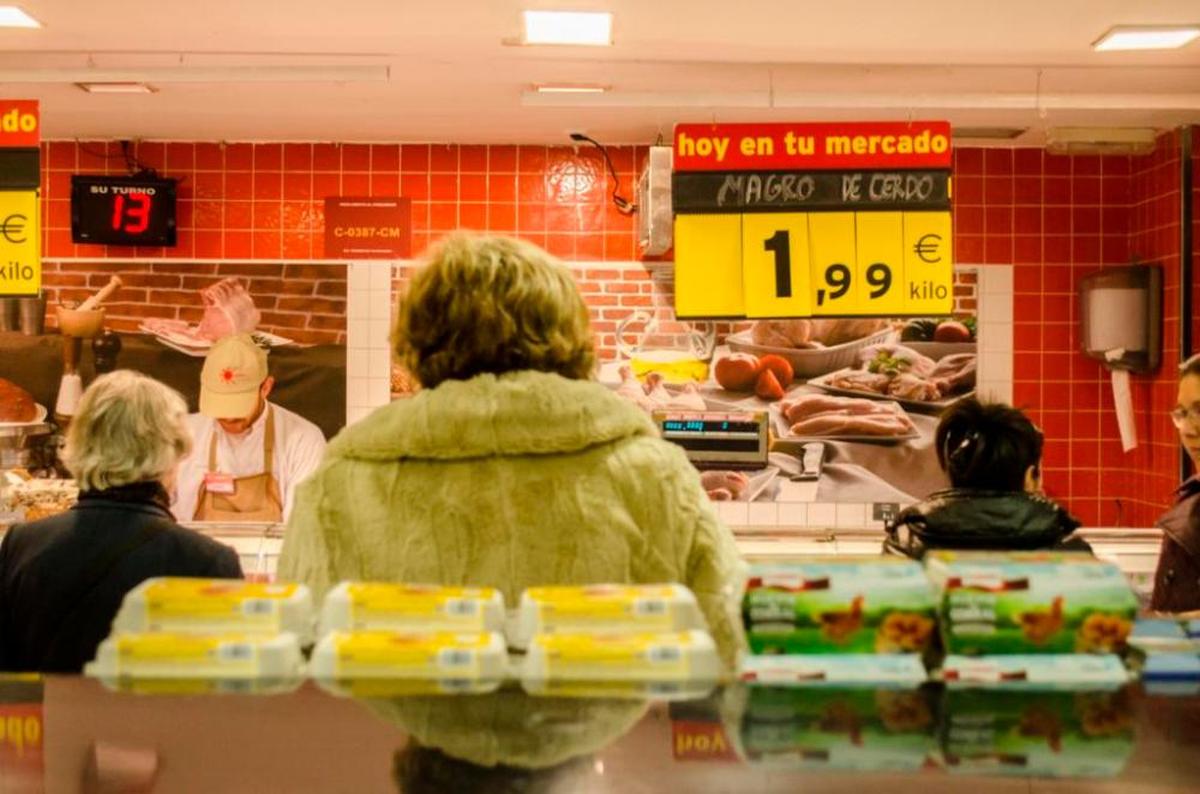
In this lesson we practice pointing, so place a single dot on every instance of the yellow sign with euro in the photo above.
(820, 264)
(20, 243)
(782, 220)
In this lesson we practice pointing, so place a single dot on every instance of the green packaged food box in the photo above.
(1030, 602)
(843, 605)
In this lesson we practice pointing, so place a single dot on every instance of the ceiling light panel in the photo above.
(581, 28)
(569, 88)
(116, 88)
(1146, 37)
(14, 17)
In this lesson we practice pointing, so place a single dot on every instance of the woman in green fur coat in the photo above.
(510, 468)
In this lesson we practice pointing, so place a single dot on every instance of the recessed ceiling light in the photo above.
(116, 88)
(1146, 37)
(592, 28)
(569, 88)
(13, 17)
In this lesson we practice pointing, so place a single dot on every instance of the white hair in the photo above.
(129, 428)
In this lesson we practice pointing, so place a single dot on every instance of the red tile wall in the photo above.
(1055, 218)
(1058, 218)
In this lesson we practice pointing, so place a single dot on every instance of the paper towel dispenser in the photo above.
(1120, 315)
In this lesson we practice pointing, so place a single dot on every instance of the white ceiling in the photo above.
(451, 77)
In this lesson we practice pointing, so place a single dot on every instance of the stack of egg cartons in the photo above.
(1036, 618)
(849, 620)
(207, 629)
(382, 638)
(638, 635)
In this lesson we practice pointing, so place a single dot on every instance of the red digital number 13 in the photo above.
(134, 218)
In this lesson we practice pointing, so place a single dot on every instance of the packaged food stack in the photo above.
(383, 638)
(208, 629)
(1168, 654)
(858, 620)
(613, 633)
(1038, 618)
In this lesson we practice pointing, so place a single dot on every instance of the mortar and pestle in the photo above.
(85, 321)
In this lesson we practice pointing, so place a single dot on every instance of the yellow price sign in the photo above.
(775, 264)
(795, 264)
(20, 243)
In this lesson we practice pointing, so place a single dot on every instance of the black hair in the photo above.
(987, 445)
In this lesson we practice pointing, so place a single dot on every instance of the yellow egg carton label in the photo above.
(371, 600)
(200, 655)
(409, 655)
(170, 600)
(609, 656)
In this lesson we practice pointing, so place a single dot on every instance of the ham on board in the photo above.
(228, 309)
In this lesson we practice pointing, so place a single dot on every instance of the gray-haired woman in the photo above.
(62, 578)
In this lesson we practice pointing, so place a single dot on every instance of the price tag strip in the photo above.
(812, 240)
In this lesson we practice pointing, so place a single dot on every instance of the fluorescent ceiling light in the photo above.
(116, 88)
(592, 28)
(987, 133)
(13, 17)
(1146, 37)
(569, 88)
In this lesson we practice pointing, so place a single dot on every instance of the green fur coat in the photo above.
(512, 481)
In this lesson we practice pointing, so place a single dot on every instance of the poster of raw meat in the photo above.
(846, 408)
(163, 319)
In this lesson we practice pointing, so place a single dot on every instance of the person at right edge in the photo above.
(1177, 580)
(511, 467)
(992, 455)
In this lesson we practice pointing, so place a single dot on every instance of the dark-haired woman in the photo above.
(992, 454)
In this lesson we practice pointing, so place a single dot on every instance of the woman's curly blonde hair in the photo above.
(492, 304)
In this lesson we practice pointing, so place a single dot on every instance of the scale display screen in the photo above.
(738, 440)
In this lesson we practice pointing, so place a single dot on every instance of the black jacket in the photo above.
(1177, 580)
(963, 518)
(46, 623)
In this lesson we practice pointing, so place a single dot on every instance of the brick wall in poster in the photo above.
(1055, 218)
(301, 301)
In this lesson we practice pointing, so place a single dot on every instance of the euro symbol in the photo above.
(931, 247)
(13, 228)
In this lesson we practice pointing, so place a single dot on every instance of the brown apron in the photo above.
(254, 499)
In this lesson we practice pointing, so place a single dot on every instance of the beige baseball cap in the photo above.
(233, 372)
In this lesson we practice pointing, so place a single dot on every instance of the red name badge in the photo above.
(218, 482)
